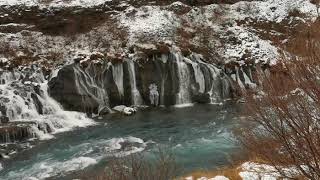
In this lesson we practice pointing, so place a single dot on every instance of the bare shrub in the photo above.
(137, 167)
(284, 124)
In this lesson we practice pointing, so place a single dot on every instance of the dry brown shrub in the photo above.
(137, 167)
(284, 124)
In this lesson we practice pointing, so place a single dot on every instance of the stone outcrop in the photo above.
(156, 79)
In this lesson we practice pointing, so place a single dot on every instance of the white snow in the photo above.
(219, 178)
(54, 3)
(272, 10)
(3, 60)
(149, 20)
(255, 171)
(205, 178)
(261, 50)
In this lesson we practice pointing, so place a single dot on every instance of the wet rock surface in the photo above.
(158, 79)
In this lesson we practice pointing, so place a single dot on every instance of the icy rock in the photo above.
(129, 111)
(119, 108)
(125, 110)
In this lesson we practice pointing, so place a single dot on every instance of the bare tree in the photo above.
(284, 124)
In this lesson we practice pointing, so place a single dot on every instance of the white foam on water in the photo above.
(120, 147)
(183, 105)
(21, 107)
(49, 168)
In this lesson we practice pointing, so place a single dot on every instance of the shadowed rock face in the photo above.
(13, 132)
(161, 79)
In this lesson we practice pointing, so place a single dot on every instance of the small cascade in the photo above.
(117, 73)
(214, 90)
(248, 79)
(31, 112)
(154, 95)
(89, 84)
(135, 94)
(163, 61)
(161, 79)
(198, 74)
(238, 80)
(183, 96)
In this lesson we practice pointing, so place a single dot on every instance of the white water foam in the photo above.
(183, 105)
(120, 147)
(20, 107)
(135, 94)
(49, 168)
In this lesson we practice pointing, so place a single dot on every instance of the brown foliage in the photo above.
(283, 128)
(136, 167)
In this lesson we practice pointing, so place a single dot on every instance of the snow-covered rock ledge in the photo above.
(254, 171)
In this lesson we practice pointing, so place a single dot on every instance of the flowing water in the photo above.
(199, 137)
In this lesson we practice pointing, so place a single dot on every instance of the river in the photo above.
(199, 136)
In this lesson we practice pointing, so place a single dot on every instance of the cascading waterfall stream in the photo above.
(158, 80)
(135, 94)
(26, 101)
(215, 79)
(183, 96)
(198, 75)
(87, 84)
(117, 73)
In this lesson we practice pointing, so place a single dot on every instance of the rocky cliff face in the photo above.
(158, 80)
(90, 56)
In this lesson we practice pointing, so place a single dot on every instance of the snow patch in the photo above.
(148, 20)
(255, 171)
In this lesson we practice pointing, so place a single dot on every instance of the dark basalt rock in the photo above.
(64, 90)
(4, 119)
(93, 89)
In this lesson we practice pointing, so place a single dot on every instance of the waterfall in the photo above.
(21, 96)
(117, 73)
(154, 94)
(87, 84)
(166, 79)
(135, 94)
(199, 76)
(238, 79)
(213, 92)
(183, 96)
(163, 61)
